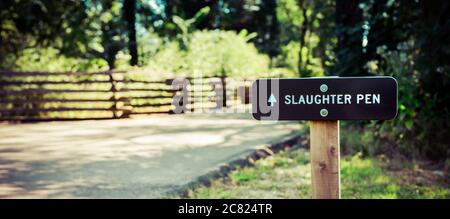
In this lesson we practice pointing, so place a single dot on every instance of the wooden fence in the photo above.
(43, 96)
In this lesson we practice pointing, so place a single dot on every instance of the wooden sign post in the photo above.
(325, 101)
(325, 171)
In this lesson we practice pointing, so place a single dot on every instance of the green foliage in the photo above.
(355, 139)
(187, 26)
(168, 58)
(380, 40)
(226, 53)
(243, 176)
(421, 128)
(287, 175)
(103, 34)
(37, 23)
(289, 58)
(82, 29)
(211, 53)
(366, 178)
(284, 175)
(50, 60)
(301, 46)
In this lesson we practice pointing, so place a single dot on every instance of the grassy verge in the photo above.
(287, 175)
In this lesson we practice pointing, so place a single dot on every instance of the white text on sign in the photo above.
(332, 99)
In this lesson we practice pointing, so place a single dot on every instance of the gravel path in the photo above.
(131, 158)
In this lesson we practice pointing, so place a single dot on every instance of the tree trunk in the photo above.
(349, 53)
(130, 17)
(302, 40)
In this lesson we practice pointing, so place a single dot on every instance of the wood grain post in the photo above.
(325, 168)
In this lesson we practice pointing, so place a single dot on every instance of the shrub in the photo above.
(49, 60)
(211, 53)
(421, 128)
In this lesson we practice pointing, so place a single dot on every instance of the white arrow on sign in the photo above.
(272, 100)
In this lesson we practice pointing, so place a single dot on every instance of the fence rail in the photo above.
(67, 96)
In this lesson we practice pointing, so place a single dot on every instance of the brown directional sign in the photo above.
(327, 98)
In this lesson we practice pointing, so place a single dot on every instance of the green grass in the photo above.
(287, 175)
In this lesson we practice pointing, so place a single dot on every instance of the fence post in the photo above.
(224, 88)
(114, 96)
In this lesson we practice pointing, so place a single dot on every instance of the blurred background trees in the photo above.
(286, 38)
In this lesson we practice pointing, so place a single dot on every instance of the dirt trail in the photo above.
(131, 158)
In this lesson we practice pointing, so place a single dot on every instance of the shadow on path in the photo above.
(132, 158)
